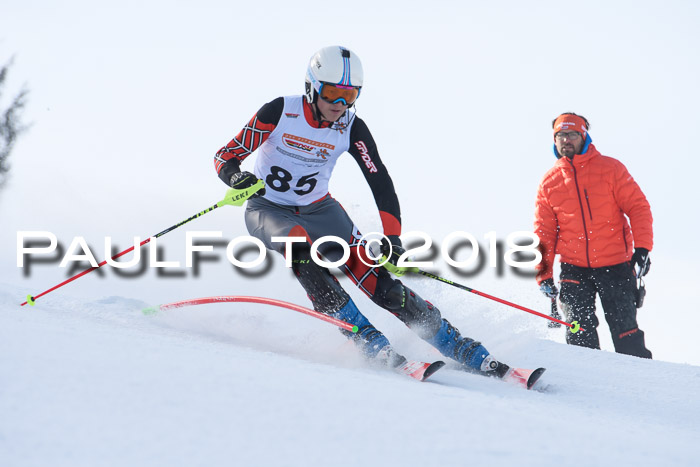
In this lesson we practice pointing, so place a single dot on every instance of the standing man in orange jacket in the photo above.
(582, 211)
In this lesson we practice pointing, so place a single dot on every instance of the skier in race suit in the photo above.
(298, 141)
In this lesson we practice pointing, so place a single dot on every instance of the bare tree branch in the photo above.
(10, 123)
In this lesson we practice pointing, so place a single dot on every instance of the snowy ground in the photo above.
(99, 383)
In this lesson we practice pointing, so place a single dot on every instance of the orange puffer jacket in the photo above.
(580, 213)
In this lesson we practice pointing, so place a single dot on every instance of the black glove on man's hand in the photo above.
(548, 288)
(641, 261)
(243, 180)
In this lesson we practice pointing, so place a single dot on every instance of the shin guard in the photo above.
(409, 307)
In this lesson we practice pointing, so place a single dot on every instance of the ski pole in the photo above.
(267, 301)
(574, 326)
(234, 197)
(554, 313)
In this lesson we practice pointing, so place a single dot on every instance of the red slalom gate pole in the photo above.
(266, 301)
(574, 326)
(233, 197)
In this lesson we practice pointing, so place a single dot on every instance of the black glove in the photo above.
(243, 180)
(392, 248)
(641, 261)
(548, 288)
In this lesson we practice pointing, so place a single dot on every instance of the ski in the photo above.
(523, 377)
(419, 370)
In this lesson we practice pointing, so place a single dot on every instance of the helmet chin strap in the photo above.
(316, 112)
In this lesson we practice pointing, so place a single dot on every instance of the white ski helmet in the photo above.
(333, 65)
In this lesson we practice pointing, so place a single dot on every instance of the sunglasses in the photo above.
(334, 93)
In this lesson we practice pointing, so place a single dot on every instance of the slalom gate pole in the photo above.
(266, 301)
(233, 197)
(574, 326)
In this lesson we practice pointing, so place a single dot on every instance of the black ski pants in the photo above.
(616, 287)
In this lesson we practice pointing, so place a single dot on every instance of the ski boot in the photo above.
(476, 359)
(373, 344)
(470, 353)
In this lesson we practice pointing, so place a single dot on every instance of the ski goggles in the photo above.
(334, 93)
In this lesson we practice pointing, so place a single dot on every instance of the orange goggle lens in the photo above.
(336, 93)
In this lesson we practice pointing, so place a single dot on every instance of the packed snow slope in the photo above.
(86, 383)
